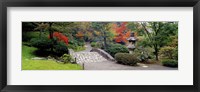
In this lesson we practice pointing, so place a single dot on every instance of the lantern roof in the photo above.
(131, 39)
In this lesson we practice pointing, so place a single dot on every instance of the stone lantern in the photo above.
(131, 44)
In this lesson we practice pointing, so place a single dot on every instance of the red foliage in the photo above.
(121, 28)
(122, 32)
(60, 37)
(119, 38)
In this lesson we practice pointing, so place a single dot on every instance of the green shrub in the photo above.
(70, 46)
(73, 42)
(76, 42)
(169, 52)
(27, 36)
(116, 48)
(79, 48)
(93, 44)
(96, 44)
(143, 54)
(54, 46)
(76, 48)
(60, 48)
(175, 54)
(41, 43)
(27, 43)
(81, 44)
(67, 58)
(126, 58)
(170, 63)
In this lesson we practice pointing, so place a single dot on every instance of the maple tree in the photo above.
(60, 37)
(122, 32)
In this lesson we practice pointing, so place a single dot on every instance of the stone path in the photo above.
(88, 48)
(109, 65)
(94, 61)
(85, 57)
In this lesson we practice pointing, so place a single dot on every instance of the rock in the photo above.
(38, 58)
(71, 51)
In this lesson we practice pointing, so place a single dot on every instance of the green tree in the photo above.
(158, 34)
(103, 28)
(41, 26)
(28, 26)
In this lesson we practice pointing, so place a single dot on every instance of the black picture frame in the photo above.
(101, 3)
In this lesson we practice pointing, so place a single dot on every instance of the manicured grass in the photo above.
(48, 65)
(27, 52)
(29, 64)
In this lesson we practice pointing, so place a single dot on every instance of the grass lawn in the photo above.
(29, 64)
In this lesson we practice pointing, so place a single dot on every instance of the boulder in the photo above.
(38, 58)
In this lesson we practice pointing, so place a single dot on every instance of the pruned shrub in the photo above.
(41, 43)
(170, 63)
(47, 46)
(60, 48)
(96, 44)
(175, 54)
(143, 54)
(81, 43)
(76, 47)
(70, 46)
(116, 48)
(169, 52)
(126, 58)
(93, 44)
(66, 58)
(76, 42)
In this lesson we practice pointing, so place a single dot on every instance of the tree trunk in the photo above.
(50, 31)
(156, 53)
(40, 33)
(105, 43)
(104, 38)
(51, 34)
